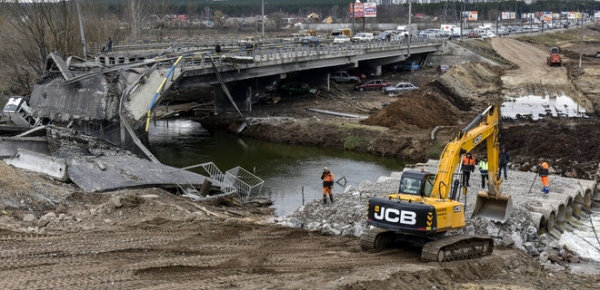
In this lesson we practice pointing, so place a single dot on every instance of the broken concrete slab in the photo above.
(126, 171)
(38, 162)
(9, 145)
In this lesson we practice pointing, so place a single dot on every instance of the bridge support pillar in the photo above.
(241, 96)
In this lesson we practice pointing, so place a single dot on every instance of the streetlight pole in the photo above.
(262, 20)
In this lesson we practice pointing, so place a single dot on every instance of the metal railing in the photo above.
(236, 180)
(245, 182)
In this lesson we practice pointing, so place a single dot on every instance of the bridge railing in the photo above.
(199, 59)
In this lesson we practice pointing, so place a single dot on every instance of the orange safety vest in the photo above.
(468, 160)
(544, 169)
(327, 179)
(468, 163)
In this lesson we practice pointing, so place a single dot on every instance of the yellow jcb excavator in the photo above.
(427, 206)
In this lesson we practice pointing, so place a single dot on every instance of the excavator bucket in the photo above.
(495, 207)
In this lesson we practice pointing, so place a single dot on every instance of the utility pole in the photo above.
(409, 27)
(462, 10)
(581, 43)
(352, 8)
(81, 31)
(497, 15)
(262, 20)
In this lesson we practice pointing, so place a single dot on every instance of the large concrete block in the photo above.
(41, 163)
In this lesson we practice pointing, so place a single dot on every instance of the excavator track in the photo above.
(374, 240)
(459, 247)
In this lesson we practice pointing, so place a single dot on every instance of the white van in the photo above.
(17, 112)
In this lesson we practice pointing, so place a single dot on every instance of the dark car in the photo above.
(357, 72)
(272, 87)
(443, 68)
(310, 41)
(368, 70)
(372, 85)
(297, 89)
(408, 66)
(402, 66)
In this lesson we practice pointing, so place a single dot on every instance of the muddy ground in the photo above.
(52, 236)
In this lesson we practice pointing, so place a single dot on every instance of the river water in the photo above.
(287, 170)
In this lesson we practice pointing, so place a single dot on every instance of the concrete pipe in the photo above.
(587, 199)
(577, 205)
(548, 213)
(561, 211)
(569, 206)
(539, 221)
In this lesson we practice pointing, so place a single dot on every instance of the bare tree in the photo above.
(30, 31)
(219, 19)
(162, 9)
(137, 10)
(276, 21)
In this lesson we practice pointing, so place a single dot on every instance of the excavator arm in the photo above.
(484, 128)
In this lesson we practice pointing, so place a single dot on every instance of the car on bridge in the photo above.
(343, 77)
(340, 39)
(310, 41)
(363, 37)
(399, 88)
(249, 40)
(377, 84)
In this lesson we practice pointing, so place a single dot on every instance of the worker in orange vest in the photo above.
(468, 166)
(327, 178)
(543, 172)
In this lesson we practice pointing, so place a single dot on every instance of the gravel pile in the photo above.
(346, 216)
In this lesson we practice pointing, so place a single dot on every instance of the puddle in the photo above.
(537, 107)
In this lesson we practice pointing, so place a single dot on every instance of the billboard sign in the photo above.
(472, 16)
(508, 15)
(370, 9)
(361, 10)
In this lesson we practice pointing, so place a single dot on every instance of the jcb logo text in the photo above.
(396, 216)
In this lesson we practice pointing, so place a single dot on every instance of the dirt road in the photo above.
(531, 61)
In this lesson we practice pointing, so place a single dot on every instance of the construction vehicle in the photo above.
(427, 204)
(554, 58)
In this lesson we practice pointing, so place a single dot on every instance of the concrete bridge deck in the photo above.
(196, 67)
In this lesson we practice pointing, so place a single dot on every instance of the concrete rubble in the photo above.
(535, 232)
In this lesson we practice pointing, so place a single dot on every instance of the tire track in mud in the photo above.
(210, 255)
(216, 259)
